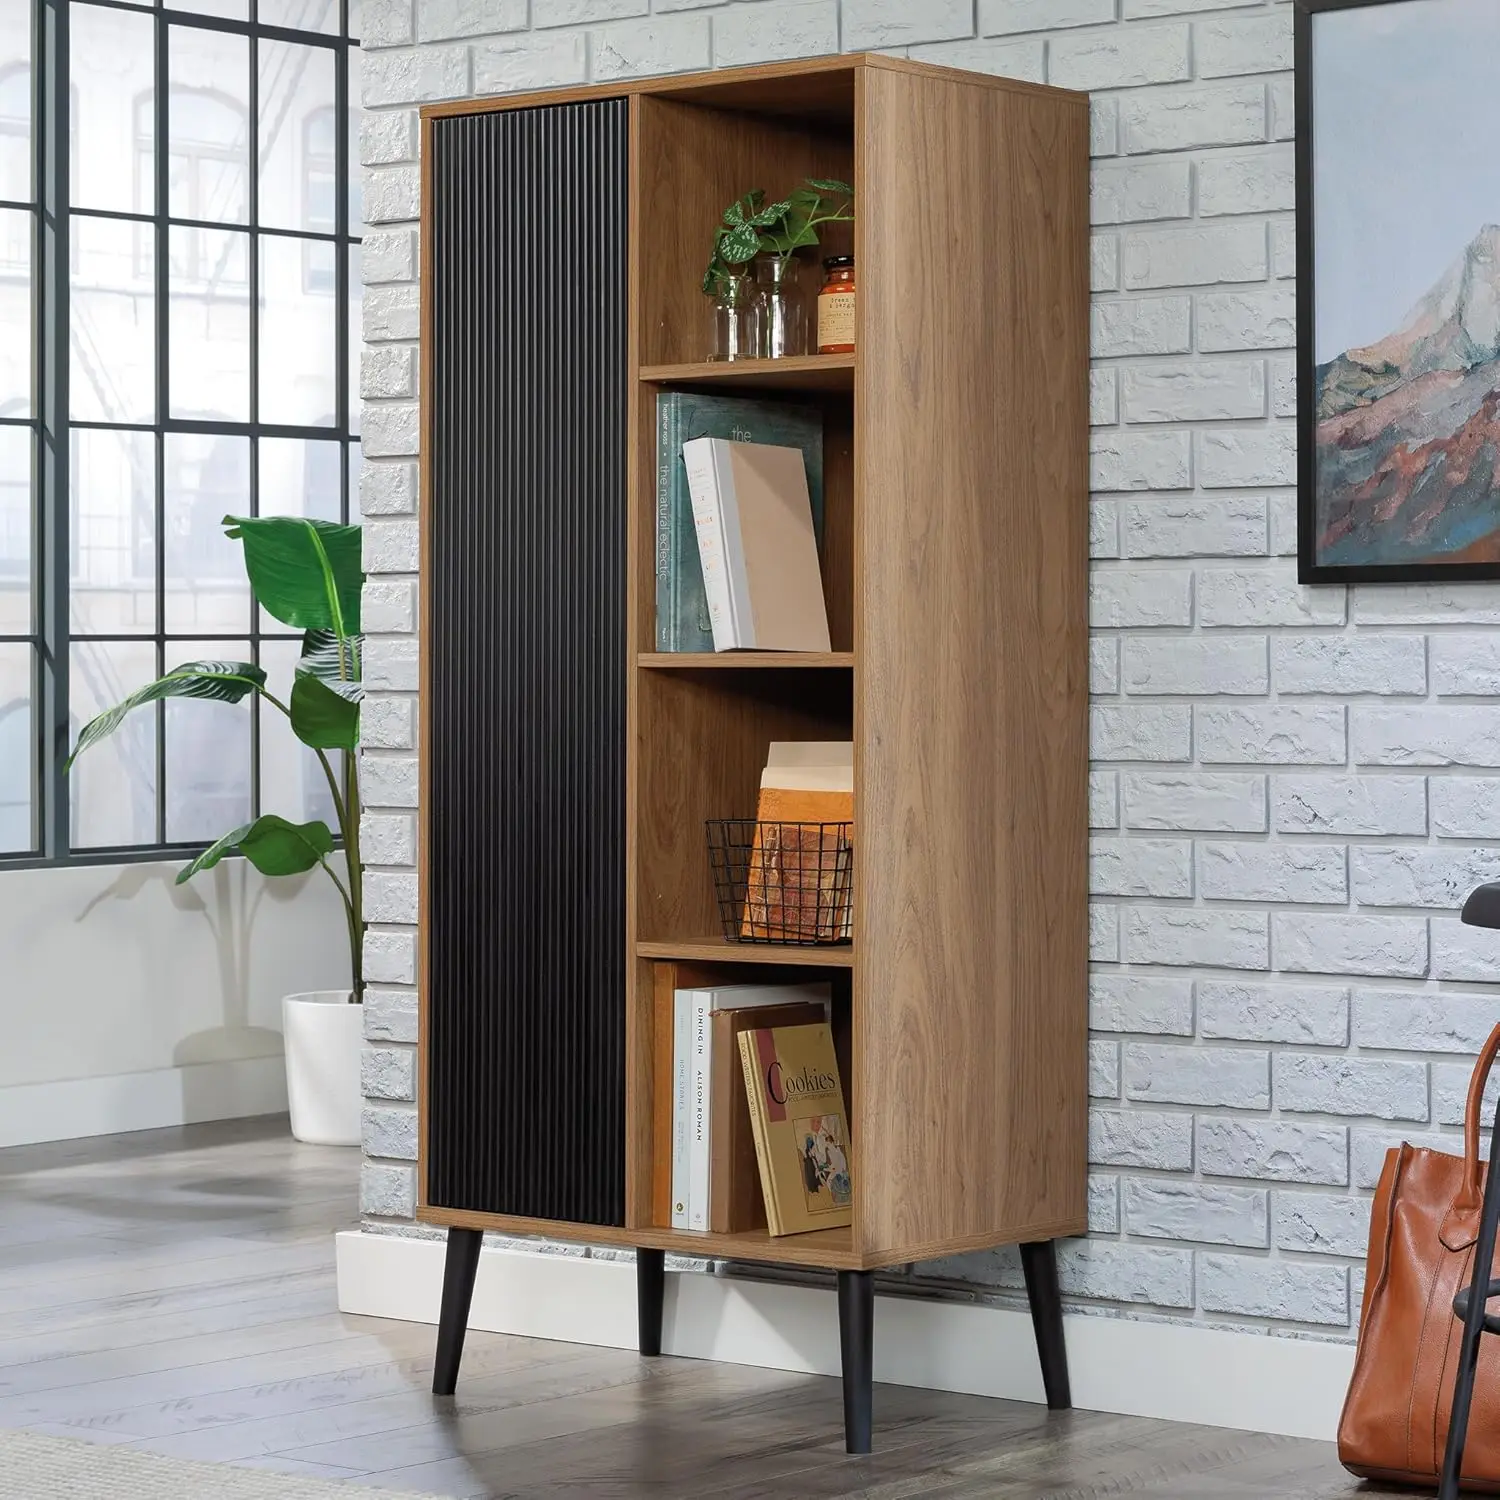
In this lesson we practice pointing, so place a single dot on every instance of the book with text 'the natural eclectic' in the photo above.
(800, 1126)
(682, 622)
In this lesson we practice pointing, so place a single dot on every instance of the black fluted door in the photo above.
(526, 687)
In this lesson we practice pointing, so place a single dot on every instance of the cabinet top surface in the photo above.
(806, 87)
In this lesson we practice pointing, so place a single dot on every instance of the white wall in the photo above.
(128, 1003)
(1293, 787)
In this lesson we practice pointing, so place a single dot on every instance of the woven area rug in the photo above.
(34, 1467)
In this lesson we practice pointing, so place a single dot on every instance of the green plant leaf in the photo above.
(340, 669)
(219, 681)
(322, 717)
(743, 207)
(830, 185)
(306, 573)
(213, 854)
(273, 845)
(771, 215)
(740, 246)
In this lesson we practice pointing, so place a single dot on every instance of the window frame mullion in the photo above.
(51, 72)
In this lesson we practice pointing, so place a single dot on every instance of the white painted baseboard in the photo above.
(72, 1108)
(1215, 1376)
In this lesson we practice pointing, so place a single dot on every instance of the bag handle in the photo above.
(1461, 1223)
(1468, 1197)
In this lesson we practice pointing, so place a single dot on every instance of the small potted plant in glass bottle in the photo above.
(766, 317)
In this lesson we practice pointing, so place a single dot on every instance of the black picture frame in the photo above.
(1309, 570)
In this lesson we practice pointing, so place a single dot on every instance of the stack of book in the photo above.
(799, 883)
(739, 514)
(758, 1128)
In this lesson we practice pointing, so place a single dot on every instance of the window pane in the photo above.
(113, 535)
(112, 76)
(356, 223)
(298, 352)
(208, 753)
(15, 100)
(112, 315)
(16, 281)
(16, 448)
(208, 350)
(112, 788)
(207, 478)
(235, 10)
(17, 751)
(292, 782)
(356, 462)
(208, 125)
(301, 15)
(297, 156)
(356, 25)
(356, 334)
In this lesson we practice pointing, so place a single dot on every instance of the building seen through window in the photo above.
(212, 303)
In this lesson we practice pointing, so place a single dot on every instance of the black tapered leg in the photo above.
(453, 1320)
(650, 1291)
(1039, 1262)
(1468, 1354)
(857, 1350)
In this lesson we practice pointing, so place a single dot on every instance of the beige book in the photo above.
(757, 546)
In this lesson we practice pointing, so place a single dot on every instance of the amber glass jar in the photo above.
(836, 306)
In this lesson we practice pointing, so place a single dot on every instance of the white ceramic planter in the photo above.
(324, 1036)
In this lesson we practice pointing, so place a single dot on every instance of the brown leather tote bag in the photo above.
(1423, 1226)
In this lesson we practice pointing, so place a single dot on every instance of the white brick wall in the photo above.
(1289, 795)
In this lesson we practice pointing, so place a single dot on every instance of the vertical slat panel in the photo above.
(526, 684)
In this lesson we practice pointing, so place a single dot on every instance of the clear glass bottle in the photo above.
(780, 313)
(734, 325)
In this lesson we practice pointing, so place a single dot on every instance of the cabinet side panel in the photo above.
(524, 579)
(971, 634)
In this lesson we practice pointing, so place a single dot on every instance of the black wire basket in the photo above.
(783, 882)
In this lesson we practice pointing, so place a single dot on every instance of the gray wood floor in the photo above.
(174, 1290)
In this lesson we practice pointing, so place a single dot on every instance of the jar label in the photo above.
(835, 318)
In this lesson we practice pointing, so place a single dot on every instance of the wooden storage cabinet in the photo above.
(568, 767)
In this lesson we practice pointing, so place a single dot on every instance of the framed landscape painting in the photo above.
(1398, 289)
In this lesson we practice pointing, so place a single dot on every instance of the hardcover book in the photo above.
(704, 1072)
(800, 1126)
(667, 978)
(735, 1204)
(682, 621)
(757, 546)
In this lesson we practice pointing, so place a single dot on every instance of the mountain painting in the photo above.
(1408, 429)
(1399, 301)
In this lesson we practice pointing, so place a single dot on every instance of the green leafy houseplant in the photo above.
(307, 574)
(750, 225)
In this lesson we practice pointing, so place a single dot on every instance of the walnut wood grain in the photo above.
(971, 694)
(719, 950)
(699, 750)
(693, 163)
(808, 372)
(698, 661)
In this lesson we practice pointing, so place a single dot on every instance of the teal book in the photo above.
(682, 622)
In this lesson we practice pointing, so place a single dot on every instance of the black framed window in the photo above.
(178, 290)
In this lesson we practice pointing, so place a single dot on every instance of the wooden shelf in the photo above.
(804, 372)
(697, 661)
(720, 951)
(827, 1248)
